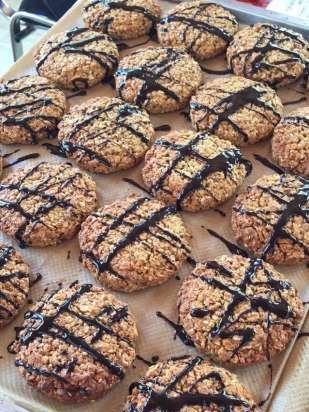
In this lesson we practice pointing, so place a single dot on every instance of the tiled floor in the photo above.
(6, 57)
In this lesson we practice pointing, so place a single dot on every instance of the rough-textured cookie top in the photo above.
(122, 19)
(158, 79)
(134, 243)
(194, 171)
(45, 204)
(290, 143)
(269, 53)
(106, 134)
(76, 343)
(77, 59)
(14, 283)
(271, 218)
(239, 310)
(189, 384)
(30, 109)
(204, 29)
(236, 109)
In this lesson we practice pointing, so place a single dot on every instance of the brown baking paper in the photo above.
(155, 336)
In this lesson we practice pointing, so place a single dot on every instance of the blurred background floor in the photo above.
(6, 56)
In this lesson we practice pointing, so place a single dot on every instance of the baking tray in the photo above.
(155, 336)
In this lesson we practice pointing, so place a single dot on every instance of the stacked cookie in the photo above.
(77, 342)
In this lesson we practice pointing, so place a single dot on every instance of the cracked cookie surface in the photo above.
(76, 343)
(239, 311)
(134, 243)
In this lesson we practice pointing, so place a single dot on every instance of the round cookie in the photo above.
(45, 204)
(268, 53)
(76, 343)
(236, 109)
(30, 109)
(134, 243)
(239, 310)
(77, 59)
(159, 79)
(189, 384)
(105, 134)
(204, 29)
(290, 143)
(194, 171)
(14, 283)
(122, 19)
(271, 219)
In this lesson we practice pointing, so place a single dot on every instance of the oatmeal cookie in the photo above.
(236, 109)
(268, 53)
(194, 171)
(134, 243)
(189, 384)
(239, 310)
(105, 134)
(158, 79)
(271, 219)
(76, 343)
(77, 59)
(122, 19)
(290, 143)
(204, 29)
(45, 204)
(30, 109)
(14, 283)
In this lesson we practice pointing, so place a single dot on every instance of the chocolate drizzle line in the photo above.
(145, 224)
(229, 325)
(151, 73)
(29, 221)
(124, 119)
(22, 159)
(195, 19)
(135, 184)
(264, 161)
(8, 309)
(119, 5)
(249, 97)
(267, 42)
(70, 45)
(223, 162)
(179, 330)
(171, 399)
(291, 205)
(24, 114)
(39, 325)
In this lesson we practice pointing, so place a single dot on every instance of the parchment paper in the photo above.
(155, 336)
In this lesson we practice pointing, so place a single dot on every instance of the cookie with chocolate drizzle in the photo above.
(122, 19)
(194, 171)
(76, 343)
(14, 283)
(45, 204)
(236, 109)
(188, 383)
(105, 135)
(30, 109)
(204, 29)
(271, 219)
(239, 310)
(290, 142)
(77, 59)
(134, 243)
(268, 53)
(158, 79)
